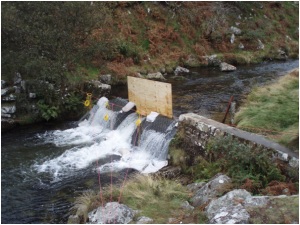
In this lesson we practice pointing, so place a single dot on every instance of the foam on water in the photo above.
(94, 139)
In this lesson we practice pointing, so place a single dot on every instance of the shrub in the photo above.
(47, 112)
(129, 51)
(204, 170)
(243, 162)
(72, 102)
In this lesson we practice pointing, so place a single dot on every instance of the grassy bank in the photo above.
(153, 196)
(273, 111)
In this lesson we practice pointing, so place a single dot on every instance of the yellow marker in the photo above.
(88, 96)
(107, 105)
(106, 117)
(138, 122)
(87, 103)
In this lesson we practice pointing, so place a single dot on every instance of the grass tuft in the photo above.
(155, 197)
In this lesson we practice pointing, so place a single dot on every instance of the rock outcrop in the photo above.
(111, 213)
(229, 208)
(210, 190)
(240, 207)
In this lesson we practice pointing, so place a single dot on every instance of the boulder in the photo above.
(224, 67)
(144, 220)
(97, 88)
(238, 206)
(169, 172)
(32, 95)
(194, 187)
(3, 84)
(180, 69)
(229, 208)
(273, 209)
(212, 60)
(157, 76)
(210, 190)
(106, 79)
(17, 78)
(260, 45)
(232, 38)
(8, 109)
(6, 91)
(9, 98)
(281, 54)
(112, 212)
(186, 206)
(235, 30)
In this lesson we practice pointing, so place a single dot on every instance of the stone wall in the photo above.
(197, 130)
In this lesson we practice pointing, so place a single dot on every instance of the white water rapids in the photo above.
(94, 139)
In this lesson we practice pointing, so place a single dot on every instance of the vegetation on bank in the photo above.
(152, 196)
(250, 167)
(273, 111)
(56, 46)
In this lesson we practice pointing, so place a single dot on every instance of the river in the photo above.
(39, 177)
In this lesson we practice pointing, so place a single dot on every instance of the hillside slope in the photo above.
(149, 36)
(56, 47)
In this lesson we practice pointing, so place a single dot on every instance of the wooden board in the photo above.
(149, 95)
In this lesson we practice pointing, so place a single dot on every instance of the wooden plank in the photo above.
(149, 95)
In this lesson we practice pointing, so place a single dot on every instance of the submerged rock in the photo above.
(157, 75)
(180, 69)
(224, 67)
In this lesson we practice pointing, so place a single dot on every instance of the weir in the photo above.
(105, 132)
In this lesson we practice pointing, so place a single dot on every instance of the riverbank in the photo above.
(273, 111)
(123, 39)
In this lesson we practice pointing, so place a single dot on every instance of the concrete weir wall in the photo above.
(198, 130)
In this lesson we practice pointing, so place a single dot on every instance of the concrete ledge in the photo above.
(199, 129)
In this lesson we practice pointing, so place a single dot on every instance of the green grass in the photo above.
(273, 110)
(82, 74)
(156, 197)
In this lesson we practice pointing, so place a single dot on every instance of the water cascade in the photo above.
(108, 132)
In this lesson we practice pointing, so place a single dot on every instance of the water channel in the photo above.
(39, 179)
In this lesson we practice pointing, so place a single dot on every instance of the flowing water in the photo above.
(42, 170)
(207, 91)
(43, 167)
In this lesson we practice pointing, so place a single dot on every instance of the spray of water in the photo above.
(95, 139)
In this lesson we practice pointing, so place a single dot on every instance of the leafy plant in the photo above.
(72, 102)
(244, 162)
(47, 112)
(204, 170)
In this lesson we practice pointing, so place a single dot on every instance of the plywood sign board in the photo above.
(149, 95)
